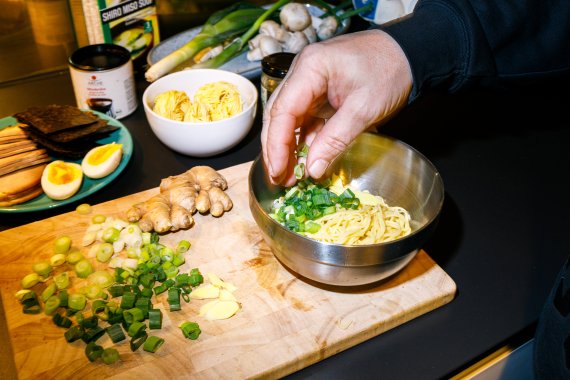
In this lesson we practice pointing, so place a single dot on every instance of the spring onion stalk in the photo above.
(110, 355)
(48, 292)
(116, 333)
(51, 305)
(77, 301)
(73, 334)
(61, 245)
(57, 260)
(43, 268)
(74, 257)
(239, 45)
(93, 351)
(191, 330)
(30, 280)
(153, 343)
(220, 26)
(155, 319)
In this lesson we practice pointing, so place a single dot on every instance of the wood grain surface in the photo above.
(285, 323)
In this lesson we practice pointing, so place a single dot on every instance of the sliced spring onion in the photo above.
(98, 219)
(63, 298)
(111, 235)
(99, 306)
(61, 321)
(104, 252)
(87, 322)
(153, 343)
(299, 170)
(147, 292)
(93, 351)
(116, 290)
(93, 292)
(133, 315)
(83, 268)
(74, 257)
(30, 280)
(51, 305)
(147, 280)
(57, 260)
(74, 333)
(20, 293)
(191, 330)
(155, 319)
(136, 328)
(110, 355)
(160, 289)
(30, 303)
(83, 209)
(61, 245)
(178, 259)
(144, 304)
(77, 301)
(138, 340)
(183, 246)
(174, 299)
(61, 280)
(128, 301)
(43, 268)
(116, 333)
(48, 292)
(196, 277)
(91, 335)
(101, 278)
(171, 271)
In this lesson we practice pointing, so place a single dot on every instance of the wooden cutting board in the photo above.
(285, 324)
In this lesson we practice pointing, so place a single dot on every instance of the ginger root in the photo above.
(199, 189)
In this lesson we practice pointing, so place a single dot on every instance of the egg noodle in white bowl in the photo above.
(201, 139)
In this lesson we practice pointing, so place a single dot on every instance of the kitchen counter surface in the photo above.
(502, 234)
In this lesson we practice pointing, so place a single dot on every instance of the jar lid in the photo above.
(277, 64)
(99, 57)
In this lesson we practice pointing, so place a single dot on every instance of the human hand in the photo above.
(333, 91)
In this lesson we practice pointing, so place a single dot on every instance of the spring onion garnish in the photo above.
(196, 277)
(155, 319)
(61, 321)
(101, 278)
(51, 305)
(48, 292)
(63, 298)
(111, 235)
(91, 335)
(147, 280)
(61, 280)
(83, 268)
(74, 333)
(76, 301)
(299, 170)
(104, 252)
(183, 246)
(43, 268)
(93, 291)
(174, 299)
(138, 340)
(166, 254)
(116, 333)
(178, 259)
(110, 356)
(143, 304)
(133, 315)
(115, 290)
(191, 330)
(57, 260)
(153, 343)
(87, 322)
(93, 351)
(30, 303)
(61, 245)
(74, 257)
(136, 328)
(147, 292)
(128, 301)
(98, 219)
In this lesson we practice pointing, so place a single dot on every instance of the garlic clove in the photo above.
(207, 291)
(221, 310)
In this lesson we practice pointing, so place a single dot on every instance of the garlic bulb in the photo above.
(295, 17)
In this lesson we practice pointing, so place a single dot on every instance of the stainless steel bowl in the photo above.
(382, 165)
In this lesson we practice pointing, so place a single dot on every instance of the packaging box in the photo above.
(132, 24)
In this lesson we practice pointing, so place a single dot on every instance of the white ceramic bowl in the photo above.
(201, 139)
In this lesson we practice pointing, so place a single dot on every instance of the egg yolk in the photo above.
(103, 153)
(60, 173)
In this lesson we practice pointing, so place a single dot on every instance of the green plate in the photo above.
(89, 186)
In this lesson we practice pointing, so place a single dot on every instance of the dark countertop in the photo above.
(505, 163)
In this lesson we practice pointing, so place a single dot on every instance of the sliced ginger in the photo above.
(199, 189)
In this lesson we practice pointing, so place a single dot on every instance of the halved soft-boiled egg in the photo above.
(61, 180)
(102, 160)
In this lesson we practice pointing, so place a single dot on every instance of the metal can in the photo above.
(103, 79)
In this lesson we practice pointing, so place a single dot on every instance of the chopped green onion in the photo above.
(93, 351)
(51, 305)
(174, 299)
(61, 280)
(63, 298)
(93, 291)
(91, 335)
(136, 328)
(98, 306)
(171, 271)
(61, 245)
(155, 319)
(30, 280)
(98, 219)
(101, 278)
(104, 252)
(74, 333)
(61, 321)
(83, 209)
(147, 292)
(57, 260)
(196, 277)
(116, 290)
(299, 170)
(83, 268)
(74, 257)
(191, 330)
(144, 304)
(183, 246)
(110, 355)
(128, 301)
(138, 340)
(77, 301)
(166, 254)
(133, 315)
(30, 303)
(87, 322)
(178, 259)
(160, 289)
(303, 151)
(48, 292)
(43, 268)
(153, 343)
(147, 280)
(116, 333)
(111, 235)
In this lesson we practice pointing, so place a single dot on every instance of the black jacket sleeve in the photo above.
(452, 44)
